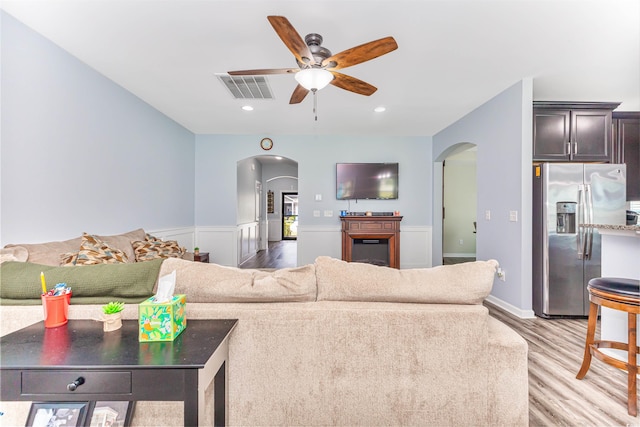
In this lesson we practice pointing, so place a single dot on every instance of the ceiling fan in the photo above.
(317, 66)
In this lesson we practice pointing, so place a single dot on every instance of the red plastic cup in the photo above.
(56, 310)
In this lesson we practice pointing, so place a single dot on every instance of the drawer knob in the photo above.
(74, 385)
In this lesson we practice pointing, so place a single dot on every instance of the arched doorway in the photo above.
(263, 182)
(455, 205)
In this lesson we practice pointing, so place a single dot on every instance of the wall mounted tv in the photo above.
(366, 181)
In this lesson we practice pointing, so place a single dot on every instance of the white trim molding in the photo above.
(185, 236)
(523, 314)
(221, 243)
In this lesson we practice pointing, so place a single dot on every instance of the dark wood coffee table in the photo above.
(38, 363)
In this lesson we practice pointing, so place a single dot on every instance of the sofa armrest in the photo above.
(508, 382)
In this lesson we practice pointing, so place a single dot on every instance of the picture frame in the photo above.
(44, 414)
(111, 413)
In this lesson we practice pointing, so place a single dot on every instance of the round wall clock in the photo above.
(266, 143)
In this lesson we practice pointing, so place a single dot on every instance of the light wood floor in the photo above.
(556, 397)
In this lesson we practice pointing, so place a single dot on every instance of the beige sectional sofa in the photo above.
(336, 343)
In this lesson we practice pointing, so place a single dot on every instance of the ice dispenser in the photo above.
(566, 217)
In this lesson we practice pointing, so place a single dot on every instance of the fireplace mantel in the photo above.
(371, 228)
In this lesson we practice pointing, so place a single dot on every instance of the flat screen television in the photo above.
(366, 181)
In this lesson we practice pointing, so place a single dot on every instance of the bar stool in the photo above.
(617, 294)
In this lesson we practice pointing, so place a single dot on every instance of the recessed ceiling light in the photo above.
(379, 109)
(247, 108)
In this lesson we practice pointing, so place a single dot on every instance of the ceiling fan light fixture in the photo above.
(313, 78)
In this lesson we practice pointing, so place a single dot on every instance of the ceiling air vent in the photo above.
(246, 87)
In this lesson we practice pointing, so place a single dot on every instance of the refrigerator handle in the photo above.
(589, 243)
(581, 240)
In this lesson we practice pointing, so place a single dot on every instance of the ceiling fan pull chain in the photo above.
(315, 104)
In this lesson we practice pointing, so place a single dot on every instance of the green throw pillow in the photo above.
(108, 282)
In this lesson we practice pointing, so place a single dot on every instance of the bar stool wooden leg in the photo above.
(632, 367)
(591, 333)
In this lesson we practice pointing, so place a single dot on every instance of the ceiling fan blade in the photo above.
(292, 39)
(352, 84)
(359, 54)
(262, 72)
(299, 93)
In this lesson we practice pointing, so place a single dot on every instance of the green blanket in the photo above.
(90, 284)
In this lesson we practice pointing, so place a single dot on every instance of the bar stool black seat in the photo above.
(618, 294)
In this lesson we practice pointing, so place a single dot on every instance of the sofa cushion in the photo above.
(468, 283)
(154, 248)
(90, 284)
(15, 253)
(208, 282)
(50, 253)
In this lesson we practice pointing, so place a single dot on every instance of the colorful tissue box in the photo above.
(162, 321)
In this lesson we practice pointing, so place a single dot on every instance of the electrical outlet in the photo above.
(328, 213)
(502, 275)
(316, 213)
(461, 242)
(513, 216)
(487, 215)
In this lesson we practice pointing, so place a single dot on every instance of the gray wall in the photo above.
(80, 153)
(501, 128)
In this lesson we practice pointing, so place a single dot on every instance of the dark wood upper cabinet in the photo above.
(626, 138)
(572, 132)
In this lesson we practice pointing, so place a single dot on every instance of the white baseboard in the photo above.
(523, 314)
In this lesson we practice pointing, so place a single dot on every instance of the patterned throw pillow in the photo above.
(68, 259)
(154, 248)
(95, 251)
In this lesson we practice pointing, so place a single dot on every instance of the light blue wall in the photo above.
(217, 155)
(501, 129)
(80, 153)
(249, 171)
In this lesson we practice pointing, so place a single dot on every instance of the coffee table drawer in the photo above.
(57, 382)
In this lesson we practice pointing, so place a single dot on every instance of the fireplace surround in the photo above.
(372, 239)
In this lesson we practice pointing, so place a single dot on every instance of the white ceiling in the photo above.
(452, 56)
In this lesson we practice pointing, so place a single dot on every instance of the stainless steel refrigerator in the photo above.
(565, 254)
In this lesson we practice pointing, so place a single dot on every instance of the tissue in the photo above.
(166, 286)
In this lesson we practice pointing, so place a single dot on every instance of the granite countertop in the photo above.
(635, 228)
